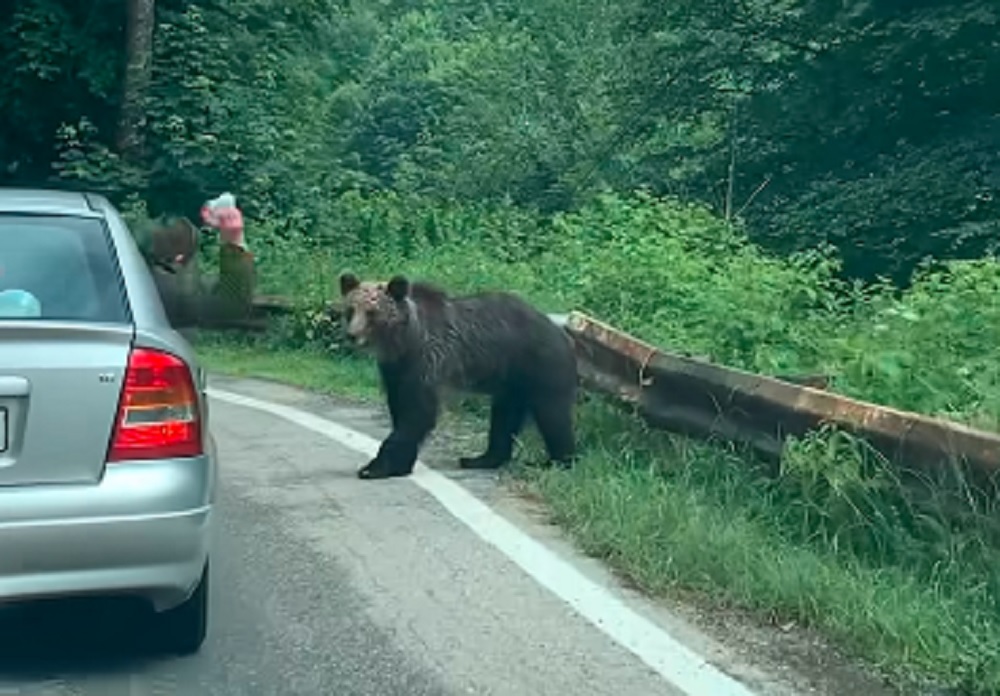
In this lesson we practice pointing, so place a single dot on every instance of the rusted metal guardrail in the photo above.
(702, 399)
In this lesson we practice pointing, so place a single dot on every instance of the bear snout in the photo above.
(358, 340)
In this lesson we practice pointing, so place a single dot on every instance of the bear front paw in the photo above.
(379, 469)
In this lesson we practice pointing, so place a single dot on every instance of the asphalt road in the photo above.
(327, 585)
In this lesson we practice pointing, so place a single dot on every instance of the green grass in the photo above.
(309, 369)
(673, 514)
(908, 577)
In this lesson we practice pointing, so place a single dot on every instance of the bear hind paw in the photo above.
(483, 461)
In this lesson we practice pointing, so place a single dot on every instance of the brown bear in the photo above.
(491, 343)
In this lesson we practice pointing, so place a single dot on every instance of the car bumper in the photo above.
(144, 530)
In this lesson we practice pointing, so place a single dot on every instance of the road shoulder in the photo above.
(774, 660)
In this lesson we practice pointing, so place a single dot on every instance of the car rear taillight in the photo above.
(158, 412)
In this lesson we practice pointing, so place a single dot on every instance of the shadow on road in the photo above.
(74, 637)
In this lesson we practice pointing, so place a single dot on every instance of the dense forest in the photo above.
(867, 124)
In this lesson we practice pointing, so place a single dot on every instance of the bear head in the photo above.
(374, 312)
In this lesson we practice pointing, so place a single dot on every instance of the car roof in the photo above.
(46, 201)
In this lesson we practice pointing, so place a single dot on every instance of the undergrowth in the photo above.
(907, 575)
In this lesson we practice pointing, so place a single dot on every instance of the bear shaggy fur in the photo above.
(491, 343)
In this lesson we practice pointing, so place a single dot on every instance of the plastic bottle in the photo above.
(223, 214)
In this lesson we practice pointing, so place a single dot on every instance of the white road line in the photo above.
(671, 659)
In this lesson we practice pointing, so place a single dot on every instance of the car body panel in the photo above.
(68, 379)
(69, 522)
(143, 530)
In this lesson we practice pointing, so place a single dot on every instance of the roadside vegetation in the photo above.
(792, 187)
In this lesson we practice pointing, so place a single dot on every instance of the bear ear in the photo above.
(398, 288)
(348, 282)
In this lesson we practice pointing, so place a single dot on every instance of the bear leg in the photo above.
(553, 415)
(391, 388)
(398, 453)
(508, 413)
(394, 458)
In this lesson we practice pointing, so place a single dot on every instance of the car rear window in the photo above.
(58, 269)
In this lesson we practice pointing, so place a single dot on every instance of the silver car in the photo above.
(107, 467)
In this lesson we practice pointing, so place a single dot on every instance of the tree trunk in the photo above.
(139, 56)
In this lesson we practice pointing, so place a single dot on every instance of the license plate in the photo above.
(3, 429)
